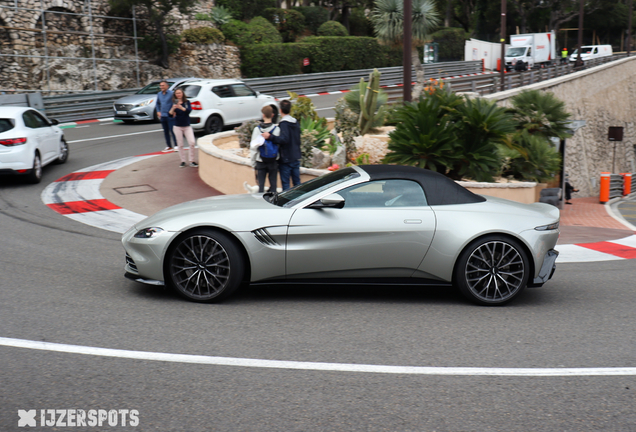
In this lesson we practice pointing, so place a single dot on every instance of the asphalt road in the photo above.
(62, 282)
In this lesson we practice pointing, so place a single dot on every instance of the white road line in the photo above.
(315, 366)
(115, 136)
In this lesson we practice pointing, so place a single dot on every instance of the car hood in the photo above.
(243, 212)
(134, 99)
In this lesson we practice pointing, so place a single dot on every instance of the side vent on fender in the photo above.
(264, 237)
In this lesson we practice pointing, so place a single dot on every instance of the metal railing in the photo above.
(85, 106)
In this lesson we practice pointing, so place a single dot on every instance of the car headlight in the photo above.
(145, 103)
(147, 233)
(548, 227)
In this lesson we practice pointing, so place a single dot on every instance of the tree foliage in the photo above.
(157, 11)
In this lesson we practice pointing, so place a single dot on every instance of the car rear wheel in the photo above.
(63, 152)
(213, 124)
(492, 270)
(204, 266)
(35, 175)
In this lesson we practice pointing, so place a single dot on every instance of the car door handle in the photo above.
(412, 221)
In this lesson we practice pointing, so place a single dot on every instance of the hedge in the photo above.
(325, 54)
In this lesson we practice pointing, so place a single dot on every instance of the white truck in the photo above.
(589, 52)
(530, 50)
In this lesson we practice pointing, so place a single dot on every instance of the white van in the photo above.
(589, 52)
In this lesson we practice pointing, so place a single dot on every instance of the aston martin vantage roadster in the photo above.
(373, 224)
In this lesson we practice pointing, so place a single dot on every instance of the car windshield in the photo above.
(5, 125)
(516, 52)
(152, 88)
(306, 190)
(190, 91)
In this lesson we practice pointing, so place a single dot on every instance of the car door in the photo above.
(47, 141)
(222, 98)
(249, 105)
(377, 233)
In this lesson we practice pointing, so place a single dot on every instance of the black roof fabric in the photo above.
(439, 189)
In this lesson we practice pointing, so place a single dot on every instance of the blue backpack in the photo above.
(268, 150)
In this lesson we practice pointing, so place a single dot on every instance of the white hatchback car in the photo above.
(220, 102)
(29, 141)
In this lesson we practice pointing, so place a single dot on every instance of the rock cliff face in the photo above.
(602, 96)
(75, 31)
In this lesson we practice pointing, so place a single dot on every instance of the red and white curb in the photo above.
(77, 197)
(621, 249)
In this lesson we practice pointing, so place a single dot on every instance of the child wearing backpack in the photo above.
(263, 153)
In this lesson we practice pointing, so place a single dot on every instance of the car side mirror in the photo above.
(54, 122)
(330, 201)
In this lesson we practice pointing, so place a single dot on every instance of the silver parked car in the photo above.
(361, 224)
(141, 105)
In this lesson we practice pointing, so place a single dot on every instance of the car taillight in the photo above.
(13, 142)
(196, 105)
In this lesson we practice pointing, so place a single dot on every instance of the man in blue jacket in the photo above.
(289, 146)
(164, 104)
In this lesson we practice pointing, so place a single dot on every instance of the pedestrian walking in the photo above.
(568, 190)
(289, 144)
(180, 111)
(163, 106)
(264, 154)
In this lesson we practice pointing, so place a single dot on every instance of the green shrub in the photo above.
(326, 54)
(245, 9)
(359, 24)
(203, 35)
(258, 31)
(451, 42)
(244, 132)
(346, 124)
(332, 28)
(265, 60)
(314, 16)
(289, 23)
(540, 163)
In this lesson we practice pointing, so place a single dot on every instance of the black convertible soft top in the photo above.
(439, 189)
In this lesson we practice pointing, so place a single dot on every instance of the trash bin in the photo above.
(550, 196)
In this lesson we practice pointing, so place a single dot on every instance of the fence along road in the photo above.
(462, 76)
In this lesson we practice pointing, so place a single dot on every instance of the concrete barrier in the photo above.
(226, 172)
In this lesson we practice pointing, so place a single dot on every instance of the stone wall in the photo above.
(69, 35)
(603, 96)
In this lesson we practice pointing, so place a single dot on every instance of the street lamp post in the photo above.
(502, 63)
(406, 58)
(579, 61)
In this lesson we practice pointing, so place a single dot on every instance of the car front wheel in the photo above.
(204, 266)
(63, 152)
(213, 124)
(492, 270)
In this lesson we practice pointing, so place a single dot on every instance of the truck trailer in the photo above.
(530, 50)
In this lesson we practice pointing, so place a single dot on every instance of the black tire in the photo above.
(275, 118)
(35, 175)
(213, 124)
(492, 270)
(64, 152)
(204, 266)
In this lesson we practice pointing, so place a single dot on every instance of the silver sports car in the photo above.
(362, 224)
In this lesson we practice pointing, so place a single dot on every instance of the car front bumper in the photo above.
(547, 269)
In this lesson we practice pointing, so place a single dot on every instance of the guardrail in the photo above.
(85, 106)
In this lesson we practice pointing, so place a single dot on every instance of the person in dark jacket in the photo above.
(164, 104)
(289, 147)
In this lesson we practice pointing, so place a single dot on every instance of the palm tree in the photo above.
(388, 20)
(539, 112)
